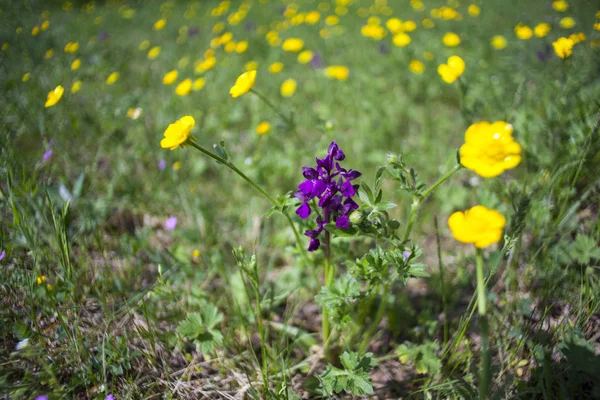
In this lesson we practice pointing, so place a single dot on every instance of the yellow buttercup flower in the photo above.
(184, 87)
(474, 10)
(251, 65)
(373, 31)
(178, 133)
(5, 46)
(293, 45)
(241, 47)
(499, 42)
(196, 253)
(490, 149)
(597, 26)
(144, 45)
(243, 84)
(76, 64)
(452, 70)
(305, 56)
(45, 25)
(394, 25)
(332, 20)
(416, 66)
(35, 31)
(312, 17)
(49, 54)
(176, 165)
(276, 67)
(288, 88)
(567, 23)
(409, 26)
(206, 65)
(428, 23)
(401, 39)
(451, 39)
(198, 84)
(479, 225)
(563, 47)
(54, 96)
(26, 76)
(577, 37)
(338, 72)
(71, 47)
(263, 128)
(170, 77)
(112, 78)
(160, 24)
(523, 32)
(542, 30)
(41, 279)
(560, 5)
(76, 86)
(154, 52)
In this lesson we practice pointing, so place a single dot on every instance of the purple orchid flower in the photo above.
(47, 155)
(331, 185)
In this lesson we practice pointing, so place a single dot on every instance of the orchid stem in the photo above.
(329, 275)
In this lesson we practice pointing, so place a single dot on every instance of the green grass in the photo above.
(128, 309)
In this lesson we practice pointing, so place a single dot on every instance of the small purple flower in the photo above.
(406, 256)
(162, 164)
(332, 186)
(2, 255)
(317, 61)
(47, 155)
(171, 223)
(42, 397)
(110, 397)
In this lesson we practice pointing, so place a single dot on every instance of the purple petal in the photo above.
(319, 188)
(42, 397)
(303, 211)
(162, 164)
(2, 255)
(303, 197)
(347, 190)
(314, 244)
(309, 173)
(351, 175)
(342, 222)
(306, 187)
(171, 223)
(47, 155)
(340, 155)
(406, 255)
(110, 397)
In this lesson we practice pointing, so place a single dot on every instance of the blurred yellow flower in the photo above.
(54, 96)
(45, 25)
(567, 23)
(41, 279)
(35, 31)
(428, 55)
(416, 66)
(479, 225)
(332, 20)
(560, 5)
(4, 46)
(338, 72)
(76, 64)
(251, 65)
(542, 29)
(229, 47)
(394, 25)
(170, 77)
(184, 87)
(198, 84)
(305, 56)
(178, 133)
(112, 78)
(276, 67)
(241, 47)
(160, 24)
(145, 45)
(263, 128)
(523, 32)
(499, 42)
(75, 86)
(401, 39)
(597, 26)
(577, 37)
(176, 165)
(288, 88)
(428, 23)
(26, 76)
(226, 38)
(312, 17)
(196, 253)
(563, 47)
(205, 65)
(373, 31)
(490, 149)
(71, 47)
(451, 39)
(451, 71)
(154, 52)
(243, 84)
(293, 45)
(409, 26)
(49, 54)
(474, 10)
(134, 113)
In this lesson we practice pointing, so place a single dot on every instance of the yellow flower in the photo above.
(416, 66)
(160, 24)
(196, 253)
(542, 29)
(409, 26)
(577, 37)
(288, 88)
(241, 47)
(75, 86)
(305, 57)
(205, 65)
(184, 87)
(251, 65)
(490, 149)
(4, 46)
(452, 70)
(401, 39)
(428, 55)
(76, 64)
(563, 47)
(373, 31)
(567, 23)
(474, 10)
(428, 23)
(41, 279)
(312, 17)
(49, 54)
(45, 25)
(112, 78)
(154, 52)
(176, 165)
(178, 133)
(498, 42)
(332, 20)
(35, 31)
(394, 25)
(134, 113)
(170, 77)
(263, 128)
(26, 76)
(479, 225)
(560, 5)
(54, 96)
(338, 72)
(597, 26)
(293, 45)
(71, 47)
(451, 39)
(144, 45)
(276, 67)
(523, 32)
(198, 84)
(243, 84)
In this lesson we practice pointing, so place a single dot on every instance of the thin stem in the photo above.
(378, 317)
(329, 275)
(261, 332)
(484, 329)
(277, 111)
(419, 199)
(442, 282)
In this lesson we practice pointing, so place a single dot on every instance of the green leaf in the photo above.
(199, 327)
(339, 297)
(354, 378)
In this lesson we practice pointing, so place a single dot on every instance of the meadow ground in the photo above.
(224, 269)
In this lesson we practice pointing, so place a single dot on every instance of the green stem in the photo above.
(378, 317)
(419, 199)
(261, 332)
(277, 111)
(329, 275)
(484, 329)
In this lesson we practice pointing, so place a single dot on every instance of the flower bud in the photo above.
(356, 217)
